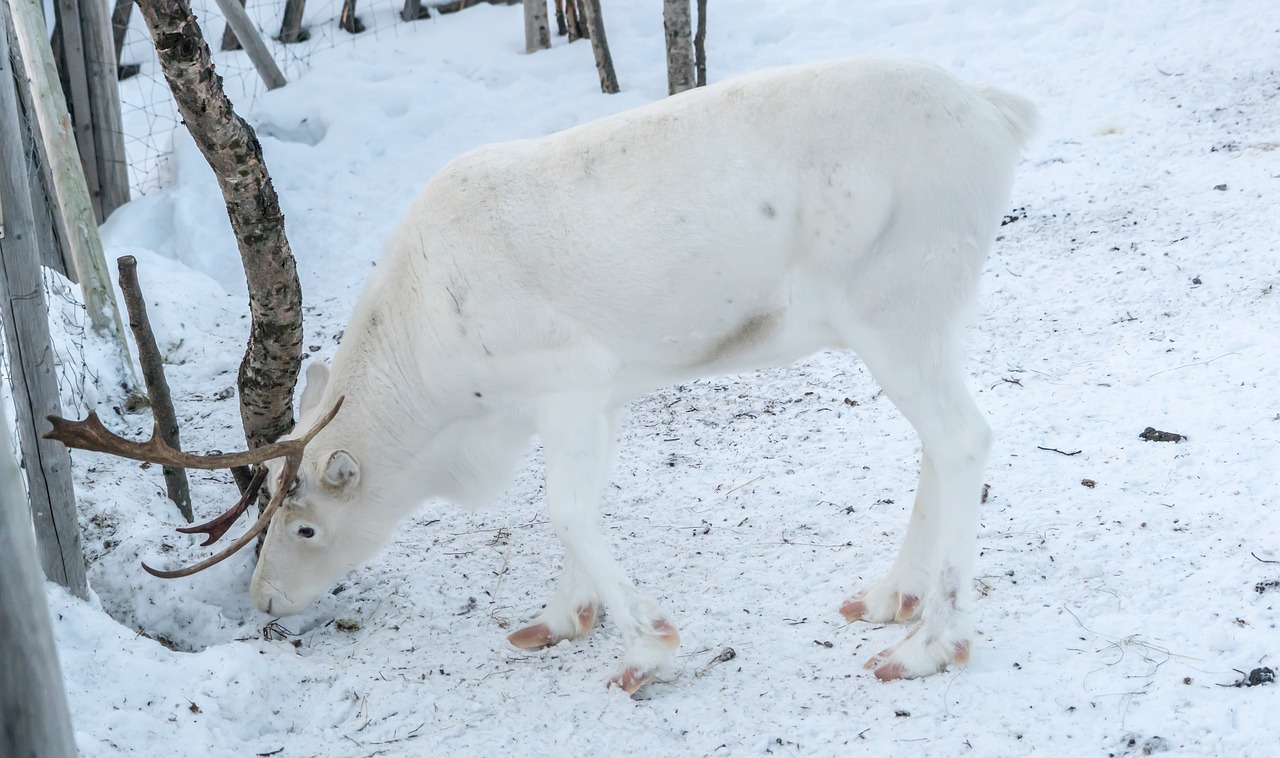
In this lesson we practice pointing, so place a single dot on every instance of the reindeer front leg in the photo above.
(578, 440)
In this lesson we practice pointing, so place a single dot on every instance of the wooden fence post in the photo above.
(54, 254)
(31, 365)
(104, 105)
(238, 22)
(291, 29)
(80, 228)
(34, 718)
(86, 44)
(414, 10)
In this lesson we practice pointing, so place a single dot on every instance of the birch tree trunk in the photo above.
(600, 46)
(269, 370)
(34, 718)
(700, 45)
(537, 33)
(679, 32)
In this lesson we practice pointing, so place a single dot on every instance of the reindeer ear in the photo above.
(317, 378)
(342, 471)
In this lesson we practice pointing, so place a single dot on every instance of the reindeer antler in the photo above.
(90, 434)
(214, 528)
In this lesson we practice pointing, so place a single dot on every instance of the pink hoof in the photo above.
(890, 671)
(630, 679)
(907, 606)
(666, 633)
(532, 637)
(539, 635)
(586, 618)
(853, 610)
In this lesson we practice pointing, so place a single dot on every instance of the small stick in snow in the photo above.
(1056, 450)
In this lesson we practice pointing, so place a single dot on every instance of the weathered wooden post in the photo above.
(291, 29)
(26, 331)
(34, 719)
(87, 44)
(414, 10)
(238, 21)
(71, 194)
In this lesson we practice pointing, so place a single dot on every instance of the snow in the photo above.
(1137, 287)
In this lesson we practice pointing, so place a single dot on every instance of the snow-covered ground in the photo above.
(1136, 284)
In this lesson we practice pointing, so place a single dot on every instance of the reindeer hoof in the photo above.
(542, 634)
(630, 679)
(532, 637)
(879, 606)
(918, 656)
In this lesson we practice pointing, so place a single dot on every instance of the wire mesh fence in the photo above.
(150, 120)
(149, 113)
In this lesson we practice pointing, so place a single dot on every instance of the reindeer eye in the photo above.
(306, 532)
(293, 488)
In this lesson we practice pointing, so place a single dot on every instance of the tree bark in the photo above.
(269, 370)
(34, 719)
(537, 35)
(175, 479)
(679, 32)
(600, 46)
(700, 45)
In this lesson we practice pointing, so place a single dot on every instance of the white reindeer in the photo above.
(535, 287)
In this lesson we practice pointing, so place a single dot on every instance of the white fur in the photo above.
(537, 286)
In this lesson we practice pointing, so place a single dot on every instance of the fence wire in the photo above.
(150, 119)
(149, 113)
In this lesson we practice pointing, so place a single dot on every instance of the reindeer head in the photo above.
(312, 539)
(322, 529)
